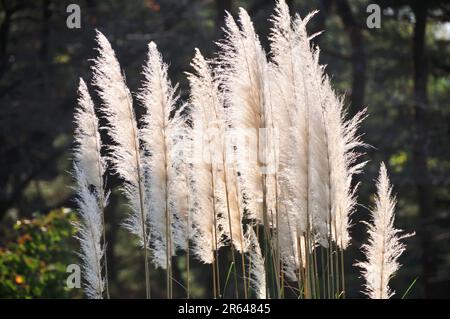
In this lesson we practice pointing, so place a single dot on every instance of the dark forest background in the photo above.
(399, 71)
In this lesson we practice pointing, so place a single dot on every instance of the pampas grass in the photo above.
(264, 144)
(125, 153)
(210, 127)
(384, 246)
(210, 196)
(160, 135)
(89, 168)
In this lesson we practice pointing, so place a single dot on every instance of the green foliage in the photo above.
(33, 264)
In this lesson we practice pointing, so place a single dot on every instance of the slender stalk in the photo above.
(187, 269)
(312, 276)
(278, 262)
(215, 224)
(332, 290)
(327, 251)
(234, 258)
(214, 268)
(144, 232)
(168, 223)
(307, 270)
(267, 233)
(316, 275)
(336, 257)
(342, 273)
(329, 278)
(217, 263)
(187, 251)
(104, 245)
(214, 278)
(301, 274)
(322, 262)
(266, 262)
(231, 233)
(168, 256)
(244, 275)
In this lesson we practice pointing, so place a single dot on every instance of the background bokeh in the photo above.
(399, 71)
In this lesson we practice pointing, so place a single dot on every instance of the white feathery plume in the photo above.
(181, 164)
(122, 128)
(209, 215)
(206, 236)
(288, 89)
(384, 246)
(89, 235)
(332, 143)
(125, 154)
(242, 71)
(317, 150)
(318, 163)
(317, 157)
(304, 173)
(89, 168)
(161, 137)
(256, 265)
(342, 142)
(287, 237)
(87, 136)
(208, 114)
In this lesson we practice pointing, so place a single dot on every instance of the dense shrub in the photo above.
(33, 263)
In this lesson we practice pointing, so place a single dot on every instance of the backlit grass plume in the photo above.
(216, 155)
(318, 151)
(89, 168)
(160, 134)
(290, 77)
(384, 246)
(207, 121)
(343, 143)
(242, 75)
(208, 112)
(125, 154)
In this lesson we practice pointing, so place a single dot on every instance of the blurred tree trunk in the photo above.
(420, 143)
(358, 55)
(5, 26)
